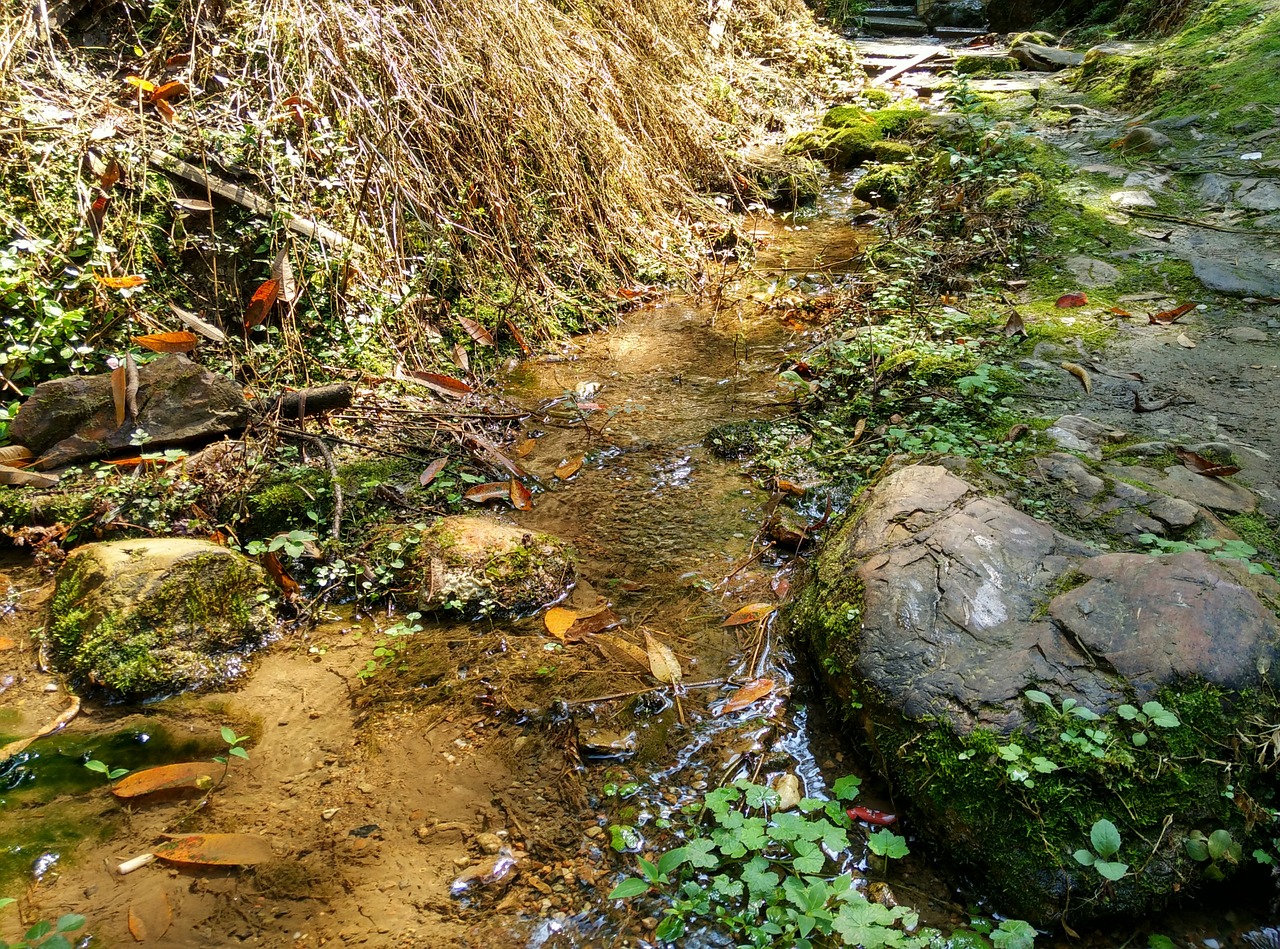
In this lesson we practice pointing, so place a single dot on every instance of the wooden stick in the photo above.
(244, 197)
(1157, 216)
(910, 64)
(314, 401)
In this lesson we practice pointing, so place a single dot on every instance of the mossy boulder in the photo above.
(149, 617)
(884, 187)
(850, 135)
(1027, 190)
(476, 564)
(1016, 686)
(985, 65)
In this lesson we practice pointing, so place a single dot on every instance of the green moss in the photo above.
(877, 98)
(1255, 529)
(1028, 189)
(846, 116)
(985, 65)
(892, 152)
(897, 120)
(885, 186)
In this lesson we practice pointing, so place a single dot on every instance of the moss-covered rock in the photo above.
(890, 153)
(984, 65)
(1027, 190)
(148, 617)
(1016, 687)
(884, 187)
(476, 564)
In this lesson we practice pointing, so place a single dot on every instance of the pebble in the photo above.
(489, 843)
(51, 687)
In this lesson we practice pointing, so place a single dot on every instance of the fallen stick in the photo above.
(296, 404)
(910, 64)
(1157, 216)
(244, 197)
(14, 747)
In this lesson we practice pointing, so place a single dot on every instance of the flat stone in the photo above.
(1258, 195)
(1216, 189)
(1111, 171)
(1073, 442)
(1133, 199)
(1071, 471)
(1090, 272)
(1142, 179)
(895, 26)
(1173, 512)
(1213, 493)
(1236, 277)
(1246, 334)
(1088, 429)
(1045, 58)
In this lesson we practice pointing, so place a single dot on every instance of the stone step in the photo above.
(953, 33)
(895, 26)
(908, 11)
(875, 64)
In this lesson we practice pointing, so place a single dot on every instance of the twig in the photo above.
(709, 683)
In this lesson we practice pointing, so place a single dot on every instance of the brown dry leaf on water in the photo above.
(282, 273)
(1165, 317)
(179, 341)
(518, 336)
(264, 298)
(622, 652)
(569, 467)
(121, 283)
(569, 625)
(749, 694)
(489, 491)
(217, 850)
(662, 661)
(429, 473)
(437, 382)
(476, 331)
(150, 917)
(524, 446)
(521, 497)
(751, 613)
(1014, 326)
(1068, 300)
(28, 479)
(1080, 373)
(185, 775)
(275, 569)
(1203, 466)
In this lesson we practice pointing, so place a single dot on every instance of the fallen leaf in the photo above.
(194, 205)
(1014, 326)
(121, 283)
(1203, 466)
(1080, 373)
(437, 382)
(217, 850)
(1162, 235)
(524, 446)
(790, 487)
(1120, 312)
(749, 694)
(476, 331)
(662, 661)
(621, 651)
(98, 212)
(276, 571)
(185, 775)
(14, 454)
(264, 298)
(518, 336)
(27, 479)
(282, 273)
(145, 86)
(110, 175)
(871, 816)
(461, 358)
(150, 916)
(1068, 300)
(592, 623)
(6, 643)
(780, 586)
(179, 341)
(118, 383)
(751, 613)
(207, 330)
(1186, 341)
(1017, 432)
(429, 473)
(490, 491)
(569, 467)
(521, 497)
(130, 386)
(169, 90)
(558, 619)
(167, 112)
(1171, 316)
(858, 429)
(178, 59)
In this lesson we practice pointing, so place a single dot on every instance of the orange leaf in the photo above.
(217, 850)
(476, 331)
(1120, 312)
(1171, 316)
(747, 695)
(1203, 466)
(186, 775)
(142, 85)
(118, 384)
(169, 90)
(98, 212)
(121, 283)
(558, 620)
(751, 613)
(518, 337)
(490, 491)
(521, 497)
(167, 112)
(110, 176)
(1068, 300)
(131, 462)
(524, 446)
(150, 917)
(178, 59)
(433, 469)
(569, 467)
(179, 341)
(264, 298)
(288, 586)
(6, 643)
(438, 382)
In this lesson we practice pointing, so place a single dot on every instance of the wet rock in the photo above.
(1045, 58)
(1258, 195)
(73, 419)
(476, 564)
(1246, 334)
(790, 791)
(1179, 482)
(1174, 512)
(956, 13)
(934, 609)
(1215, 189)
(1089, 272)
(1111, 171)
(1133, 199)
(153, 617)
(1236, 276)
(607, 743)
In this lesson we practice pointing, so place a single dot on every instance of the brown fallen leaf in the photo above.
(1116, 373)
(1120, 312)
(1203, 466)
(461, 358)
(1080, 373)
(518, 336)
(558, 619)
(1014, 325)
(489, 491)
(437, 382)
(525, 446)
(205, 329)
(170, 90)
(1068, 300)
(790, 487)
(217, 850)
(1185, 341)
(131, 383)
(748, 695)
(165, 110)
(63, 717)
(110, 175)
(1165, 317)
(591, 624)
(179, 341)
(662, 661)
(150, 916)
(282, 273)
(25, 479)
(429, 473)
(144, 86)
(751, 613)
(858, 429)
(622, 652)
(1017, 432)
(264, 298)
(14, 455)
(276, 571)
(118, 383)
(569, 467)
(476, 331)
(521, 497)
(98, 212)
(184, 775)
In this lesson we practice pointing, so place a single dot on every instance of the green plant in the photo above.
(1216, 849)
(45, 934)
(1152, 713)
(294, 543)
(1105, 839)
(1231, 550)
(101, 768)
(1018, 765)
(386, 652)
(235, 749)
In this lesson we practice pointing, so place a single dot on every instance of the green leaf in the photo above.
(1084, 858)
(670, 860)
(669, 929)
(1085, 715)
(886, 843)
(631, 886)
(727, 886)
(1157, 941)
(97, 766)
(846, 788)
(721, 799)
(758, 796)
(866, 924)
(1219, 844)
(1112, 870)
(1035, 695)
(1014, 934)
(56, 942)
(809, 857)
(1197, 846)
(787, 827)
(6, 901)
(70, 922)
(228, 735)
(1127, 712)
(648, 869)
(240, 752)
(759, 879)
(700, 854)
(42, 928)
(1043, 765)
(728, 842)
(1139, 739)
(834, 838)
(1105, 838)
(1264, 858)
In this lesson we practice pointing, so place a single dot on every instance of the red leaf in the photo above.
(110, 176)
(1068, 300)
(748, 695)
(1166, 317)
(521, 497)
(870, 815)
(1120, 312)
(438, 382)
(429, 473)
(476, 331)
(1203, 466)
(264, 298)
(184, 775)
(219, 850)
(169, 90)
(490, 491)
(288, 586)
(751, 613)
(518, 337)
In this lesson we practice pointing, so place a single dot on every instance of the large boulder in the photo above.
(150, 617)
(1000, 673)
(476, 564)
(956, 13)
(73, 419)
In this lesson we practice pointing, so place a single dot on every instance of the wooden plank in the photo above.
(908, 65)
